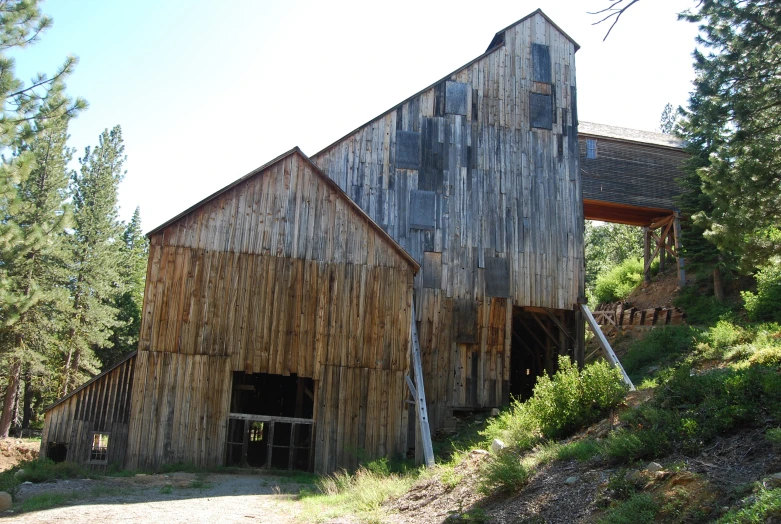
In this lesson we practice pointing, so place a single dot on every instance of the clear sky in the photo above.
(207, 91)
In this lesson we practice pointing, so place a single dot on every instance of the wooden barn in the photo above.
(275, 333)
(277, 324)
(477, 176)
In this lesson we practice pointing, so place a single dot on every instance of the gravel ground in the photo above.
(166, 499)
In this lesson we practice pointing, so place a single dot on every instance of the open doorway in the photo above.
(539, 336)
(270, 424)
(57, 451)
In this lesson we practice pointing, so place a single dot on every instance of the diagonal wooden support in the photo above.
(609, 354)
(419, 393)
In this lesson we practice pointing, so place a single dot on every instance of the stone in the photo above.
(495, 412)
(19, 473)
(633, 476)
(479, 452)
(773, 481)
(26, 483)
(497, 445)
(653, 467)
(571, 480)
(5, 501)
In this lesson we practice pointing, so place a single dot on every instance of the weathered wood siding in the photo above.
(279, 274)
(630, 173)
(478, 178)
(101, 405)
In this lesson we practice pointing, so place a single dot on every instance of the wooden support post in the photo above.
(609, 354)
(678, 252)
(420, 395)
(270, 444)
(580, 338)
(646, 255)
(662, 253)
(247, 424)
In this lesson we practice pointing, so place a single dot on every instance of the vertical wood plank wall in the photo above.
(102, 405)
(279, 274)
(506, 226)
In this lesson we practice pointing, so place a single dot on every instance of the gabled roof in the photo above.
(333, 185)
(491, 48)
(630, 135)
(91, 381)
(499, 36)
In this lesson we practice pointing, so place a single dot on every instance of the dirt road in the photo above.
(164, 499)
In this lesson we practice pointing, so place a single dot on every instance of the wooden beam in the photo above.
(681, 271)
(545, 328)
(605, 345)
(420, 396)
(266, 418)
(559, 324)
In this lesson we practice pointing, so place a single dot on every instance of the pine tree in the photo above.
(97, 256)
(135, 248)
(735, 111)
(33, 120)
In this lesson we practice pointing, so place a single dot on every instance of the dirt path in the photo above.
(165, 499)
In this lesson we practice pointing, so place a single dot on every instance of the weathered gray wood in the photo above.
(541, 109)
(541, 63)
(407, 150)
(265, 418)
(456, 98)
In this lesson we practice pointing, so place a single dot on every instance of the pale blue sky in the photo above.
(207, 91)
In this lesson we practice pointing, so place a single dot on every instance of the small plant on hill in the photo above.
(617, 283)
(560, 405)
(765, 304)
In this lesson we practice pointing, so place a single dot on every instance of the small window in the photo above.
(591, 148)
(99, 451)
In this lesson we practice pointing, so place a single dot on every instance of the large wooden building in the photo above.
(277, 314)
(275, 333)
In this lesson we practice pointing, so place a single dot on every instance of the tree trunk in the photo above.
(27, 411)
(718, 285)
(10, 398)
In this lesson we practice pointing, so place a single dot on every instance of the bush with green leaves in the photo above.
(560, 404)
(617, 283)
(659, 346)
(694, 408)
(765, 304)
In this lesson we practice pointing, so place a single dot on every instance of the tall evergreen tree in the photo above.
(735, 113)
(135, 248)
(97, 256)
(33, 119)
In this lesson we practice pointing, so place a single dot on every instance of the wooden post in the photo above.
(420, 395)
(609, 354)
(678, 253)
(646, 256)
(662, 252)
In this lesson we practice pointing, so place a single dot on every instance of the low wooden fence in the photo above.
(623, 315)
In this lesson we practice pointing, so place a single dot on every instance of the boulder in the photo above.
(19, 473)
(571, 480)
(5, 501)
(633, 476)
(653, 467)
(497, 445)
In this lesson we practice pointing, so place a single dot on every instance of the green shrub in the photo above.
(702, 309)
(572, 399)
(503, 472)
(765, 506)
(559, 405)
(617, 283)
(638, 509)
(659, 346)
(765, 304)
(581, 450)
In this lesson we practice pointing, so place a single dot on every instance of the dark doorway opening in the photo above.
(57, 451)
(270, 424)
(538, 337)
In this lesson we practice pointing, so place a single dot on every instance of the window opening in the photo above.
(99, 451)
(591, 148)
(57, 451)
